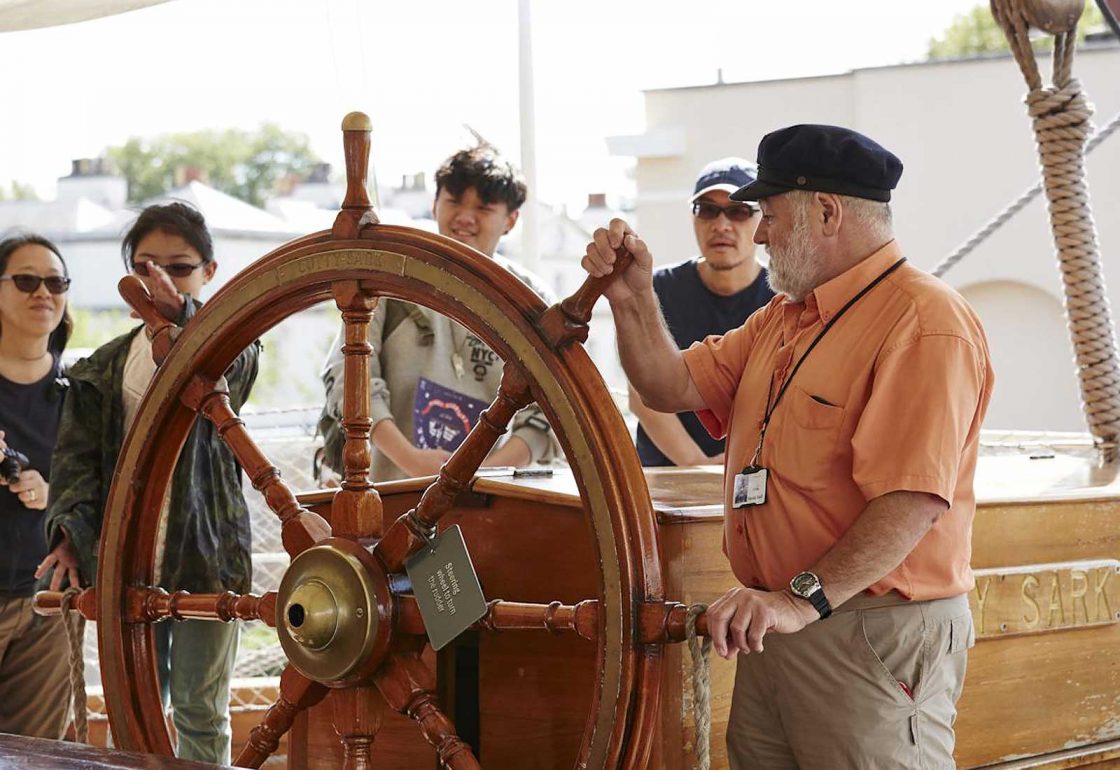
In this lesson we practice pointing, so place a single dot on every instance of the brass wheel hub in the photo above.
(334, 612)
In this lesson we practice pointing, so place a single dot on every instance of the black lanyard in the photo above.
(771, 407)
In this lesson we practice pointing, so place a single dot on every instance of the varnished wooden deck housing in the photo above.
(1043, 687)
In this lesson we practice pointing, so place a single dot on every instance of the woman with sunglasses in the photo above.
(205, 521)
(34, 327)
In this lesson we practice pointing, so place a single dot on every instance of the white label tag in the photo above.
(750, 487)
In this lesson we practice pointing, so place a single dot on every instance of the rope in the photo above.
(1060, 114)
(1000, 219)
(75, 631)
(701, 653)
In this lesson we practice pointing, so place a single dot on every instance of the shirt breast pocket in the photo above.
(808, 455)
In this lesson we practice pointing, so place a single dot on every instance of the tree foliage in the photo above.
(977, 32)
(18, 191)
(244, 164)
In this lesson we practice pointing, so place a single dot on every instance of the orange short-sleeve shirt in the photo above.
(890, 399)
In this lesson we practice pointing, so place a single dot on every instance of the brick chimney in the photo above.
(93, 179)
(597, 214)
(184, 175)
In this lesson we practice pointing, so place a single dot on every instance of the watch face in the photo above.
(805, 584)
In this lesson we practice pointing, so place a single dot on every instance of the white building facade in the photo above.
(961, 130)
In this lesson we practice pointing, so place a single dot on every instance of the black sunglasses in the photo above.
(175, 269)
(736, 212)
(29, 284)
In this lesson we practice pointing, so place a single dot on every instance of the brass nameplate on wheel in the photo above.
(1045, 597)
(446, 587)
(343, 259)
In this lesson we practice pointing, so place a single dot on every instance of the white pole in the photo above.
(530, 255)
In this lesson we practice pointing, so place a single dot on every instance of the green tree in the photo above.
(977, 32)
(18, 192)
(244, 164)
(93, 328)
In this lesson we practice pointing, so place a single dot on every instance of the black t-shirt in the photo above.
(29, 418)
(694, 312)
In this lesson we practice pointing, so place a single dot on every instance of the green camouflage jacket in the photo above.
(208, 541)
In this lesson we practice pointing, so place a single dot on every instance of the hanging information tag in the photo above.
(750, 487)
(446, 587)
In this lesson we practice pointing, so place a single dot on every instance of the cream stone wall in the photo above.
(961, 130)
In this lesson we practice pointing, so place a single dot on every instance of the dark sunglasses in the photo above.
(736, 212)
(175, 269)
(29, 284)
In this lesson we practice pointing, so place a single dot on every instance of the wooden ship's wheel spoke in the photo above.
(357, 714)
(356, 509)
(555, 617)
(152, 604)
(568, 321)
(297, 693)
(412, 530)
(409, 687)
(356, 305)
(49, 603)
(299, 527)
(162, 332)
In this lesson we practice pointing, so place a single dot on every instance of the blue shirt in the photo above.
(693, 312)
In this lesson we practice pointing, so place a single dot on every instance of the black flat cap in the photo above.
(822, 158)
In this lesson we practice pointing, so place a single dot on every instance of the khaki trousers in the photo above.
(873, 687)
(34, 672)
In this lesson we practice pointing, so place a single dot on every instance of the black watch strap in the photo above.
(820, 603)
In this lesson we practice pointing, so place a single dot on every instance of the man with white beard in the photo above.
(852, 407)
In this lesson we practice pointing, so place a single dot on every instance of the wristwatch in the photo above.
(808, 586)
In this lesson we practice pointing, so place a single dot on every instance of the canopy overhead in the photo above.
(33, 14)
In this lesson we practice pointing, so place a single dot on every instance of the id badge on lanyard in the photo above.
(750, 487)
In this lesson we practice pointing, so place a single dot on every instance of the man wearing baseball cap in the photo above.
(852, 407)
(708, 294)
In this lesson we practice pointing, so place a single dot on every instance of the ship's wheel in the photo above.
(350, 633)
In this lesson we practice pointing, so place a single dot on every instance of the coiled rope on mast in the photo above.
(1060, 116)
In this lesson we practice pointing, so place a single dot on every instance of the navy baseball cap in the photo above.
(825, 159)
(727, 174)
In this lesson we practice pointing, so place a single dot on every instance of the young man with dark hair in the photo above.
(205, 520)
(492, 178)
(427, 372)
